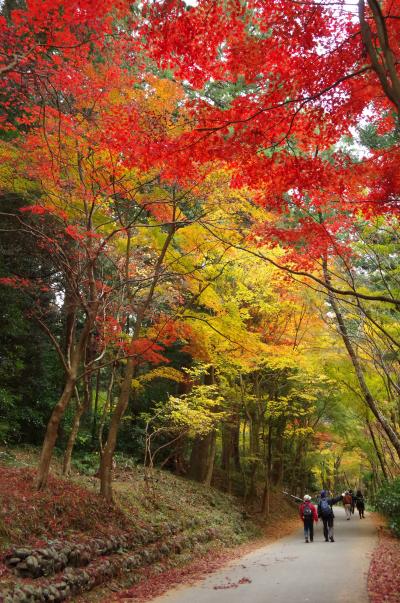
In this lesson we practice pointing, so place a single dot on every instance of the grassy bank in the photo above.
(181, 518)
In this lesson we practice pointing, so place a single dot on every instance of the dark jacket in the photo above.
(330, 501)
(360, 504)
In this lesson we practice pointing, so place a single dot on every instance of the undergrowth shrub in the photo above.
(88, 463)
(387, 501)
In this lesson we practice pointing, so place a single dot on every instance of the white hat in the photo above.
(306, 497)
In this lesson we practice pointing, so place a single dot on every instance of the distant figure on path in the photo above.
(308, 514)
(353, 501)
(360, 504)
(325, 511)
(347, 502)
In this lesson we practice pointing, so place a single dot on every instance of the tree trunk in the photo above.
(336, 467)
(226, 452)
(72, 438)
(265, 499)
(267, 485)
(204, 447)
(211, 458)
(109, 448)
(106, 476)
(236, 445)
(382, 57)
(377, 450)
(254, 455)
(252, 489)
(230, 445)
(199, 458)
(254, 460)
(254, 424)
(277, 463)
(96, 406)
(387, 449)
(368, 397)
(50, 437)
(297, 468)
(81, 408)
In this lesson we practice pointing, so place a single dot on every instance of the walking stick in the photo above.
(292, 496)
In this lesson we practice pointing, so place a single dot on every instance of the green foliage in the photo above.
(387, 501)
(29, 368)
(223, 93)
(370, 138)
(87, 463)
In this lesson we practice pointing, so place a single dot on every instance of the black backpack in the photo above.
(307, 510)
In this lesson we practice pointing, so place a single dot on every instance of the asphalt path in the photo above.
(289, 570)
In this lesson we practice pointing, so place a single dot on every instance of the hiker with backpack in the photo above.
(308, 514)
(347, 502)
(353, 501)
(360, 504)
(325, 511)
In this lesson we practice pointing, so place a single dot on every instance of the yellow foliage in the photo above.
(160, 372)
(163, 372)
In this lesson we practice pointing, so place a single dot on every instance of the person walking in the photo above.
(325, 511)
(308, 514)
(353, 501)
(347, 502)
(360, 504)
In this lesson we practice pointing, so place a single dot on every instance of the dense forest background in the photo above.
(199, 241)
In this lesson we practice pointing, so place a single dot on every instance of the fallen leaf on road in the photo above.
(232, 584)
(384, 576)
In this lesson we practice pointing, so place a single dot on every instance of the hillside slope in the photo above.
(65, 541)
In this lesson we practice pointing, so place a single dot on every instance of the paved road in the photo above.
(291, 571)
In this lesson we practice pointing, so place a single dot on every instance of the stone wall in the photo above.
(92, 563)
